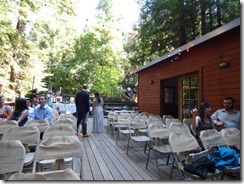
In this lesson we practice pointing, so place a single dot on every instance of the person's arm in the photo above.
(195, 119)
(23, 115)
(216, 120)
(10, 115)
(102, 102)
(93, 103)
(9, 109)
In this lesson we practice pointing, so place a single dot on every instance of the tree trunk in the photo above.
(203, 17)
(182, 25)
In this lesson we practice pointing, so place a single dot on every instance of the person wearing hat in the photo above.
(201, 119)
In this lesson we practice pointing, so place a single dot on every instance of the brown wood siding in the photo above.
(217, 83)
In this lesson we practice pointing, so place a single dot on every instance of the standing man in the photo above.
(228, 117)
(42, 110)
(82, 108)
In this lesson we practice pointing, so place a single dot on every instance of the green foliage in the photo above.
(166, 25)
(40, 48)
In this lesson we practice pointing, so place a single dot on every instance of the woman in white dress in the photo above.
(97, 111)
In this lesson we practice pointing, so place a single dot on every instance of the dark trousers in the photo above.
(82, 118)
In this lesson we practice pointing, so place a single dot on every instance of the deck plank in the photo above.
(96, 172)
(100, 158)
(104, 160)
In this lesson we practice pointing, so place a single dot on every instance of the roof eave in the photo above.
(208, 36)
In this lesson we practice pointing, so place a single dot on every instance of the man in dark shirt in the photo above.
(82, 108)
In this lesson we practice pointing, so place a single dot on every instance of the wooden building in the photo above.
(206, 69)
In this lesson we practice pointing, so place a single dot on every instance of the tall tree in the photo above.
(166, 25)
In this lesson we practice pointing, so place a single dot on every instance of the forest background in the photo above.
(48, 53)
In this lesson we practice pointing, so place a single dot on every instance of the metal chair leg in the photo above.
(148, 156)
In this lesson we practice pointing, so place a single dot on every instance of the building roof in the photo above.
(231, 25)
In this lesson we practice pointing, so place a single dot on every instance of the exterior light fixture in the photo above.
(224, 64)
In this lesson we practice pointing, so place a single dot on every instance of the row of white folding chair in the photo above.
(29, 136)
(159, 134)
(119, 123)
(12, 154)
(125, 130)
(51, 148)
(212, 138)
(138, 130)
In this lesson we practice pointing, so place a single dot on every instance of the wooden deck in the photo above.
(104, 160)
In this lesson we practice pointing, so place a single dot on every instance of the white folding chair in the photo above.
(66, 121)
(58, 175)
(55, 130)
(143, 118)
(57, 148)
(123, 127)
(165, 117)
(182, 145)
(210, 140)
(12, 155)
(178, 127)
(28, 136)
(187, 121)
(40, 124)
(112, 120)
(135, 138)
(232, 137)
(158, 143)
(171, 120)
(68, 116)
(5, 125)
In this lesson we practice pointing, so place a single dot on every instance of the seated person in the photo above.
(201, 119)
(29, 105)
(228, 117)
(5, 110)
(34, 99)
(20, 113)
(42, 110)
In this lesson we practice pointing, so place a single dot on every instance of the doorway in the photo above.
(169, 97)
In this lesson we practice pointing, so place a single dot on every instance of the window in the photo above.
(189, 94)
